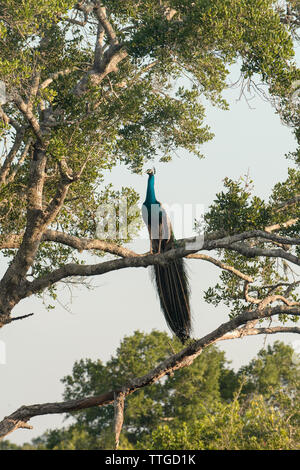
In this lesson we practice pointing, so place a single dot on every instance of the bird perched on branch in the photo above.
(170, 279)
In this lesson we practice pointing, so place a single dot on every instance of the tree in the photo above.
(178, 395)
(205, 406)
(256, 426)
(263, 414)
(93, 84)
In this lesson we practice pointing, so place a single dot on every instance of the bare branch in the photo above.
(267, 300)
(119, 416)
(105, 63)
(100, 12)
(231, 239)
(248, 298)
(11, 155)
(23, 156)
(98, 56)
(252, 252)
(288, 202)
(13, 241)
(110, 64)
(221, 265)
(272, 287)
(82, 244)
(288, 223)
(131, 259)
(241, 332)
(8, 319)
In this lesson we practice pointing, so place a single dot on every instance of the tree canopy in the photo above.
(93, 84)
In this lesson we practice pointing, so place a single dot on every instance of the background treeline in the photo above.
(205, 406)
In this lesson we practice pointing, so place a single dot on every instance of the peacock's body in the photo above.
(171, 279)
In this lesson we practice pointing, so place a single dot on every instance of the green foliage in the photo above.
(149, 106)
(236, 210)
(262, 412)
(204, 406)
(139, 111)
(256, 426)
(6, 445)
(146, 408)
(285, 191)
(146, 108)
(273, 370)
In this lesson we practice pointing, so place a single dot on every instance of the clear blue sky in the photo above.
(42, 349)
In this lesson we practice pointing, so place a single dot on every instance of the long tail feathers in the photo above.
(173, 291)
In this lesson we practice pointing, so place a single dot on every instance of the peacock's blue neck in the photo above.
(150, 195)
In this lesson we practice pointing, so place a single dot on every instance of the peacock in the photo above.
(170, 279)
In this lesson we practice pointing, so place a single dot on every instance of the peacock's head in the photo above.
(151, 171)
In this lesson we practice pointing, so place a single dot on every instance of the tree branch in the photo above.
(28, 114)
(11, 155)
(119, 416)
(55, 76)
(252, 252)
(23, 156)
(82, 244)
(131, 259)
(241, 332)
(221, 265)
(105, 63)
(288, 223)
(8, 120)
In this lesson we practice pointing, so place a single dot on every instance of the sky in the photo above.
(91, 323)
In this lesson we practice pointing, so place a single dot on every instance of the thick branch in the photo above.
(16, 272)
(119, 416)
(132, 259)
(82, 244)
(105, 63)
(112, 58)
(231, 239)
(28, 114)
(129, 258)
(100, 12)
